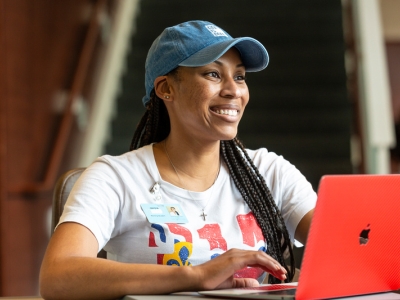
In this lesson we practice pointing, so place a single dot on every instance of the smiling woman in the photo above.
(236, 211)
(207, 101)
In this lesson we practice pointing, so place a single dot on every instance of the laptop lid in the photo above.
(353, 246)
(354, 241)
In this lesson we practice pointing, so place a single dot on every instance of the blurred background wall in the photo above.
(71, 83)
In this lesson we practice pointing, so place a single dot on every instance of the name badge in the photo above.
(164, 213)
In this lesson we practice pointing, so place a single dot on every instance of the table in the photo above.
(22, 298)
(193, 296)
(180, 296)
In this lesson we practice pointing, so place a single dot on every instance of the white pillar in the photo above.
(374, 89)
(108, 82)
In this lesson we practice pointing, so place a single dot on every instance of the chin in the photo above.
(228, 137)
(226, 133)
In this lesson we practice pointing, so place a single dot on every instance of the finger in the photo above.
(258, 259)
(268, 263)
(218, 272)
(277, 270)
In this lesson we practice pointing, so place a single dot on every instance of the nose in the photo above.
(231, 89)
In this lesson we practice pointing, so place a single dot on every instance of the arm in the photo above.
(303, 227)
(71, 270)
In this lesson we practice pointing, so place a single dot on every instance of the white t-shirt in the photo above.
(107, 198)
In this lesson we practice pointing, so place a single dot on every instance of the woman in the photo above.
(232, 202)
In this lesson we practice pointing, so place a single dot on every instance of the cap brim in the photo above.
(253, 53)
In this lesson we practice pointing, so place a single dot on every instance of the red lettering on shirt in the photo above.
(249, 273)
(250, 229)
(212, 233)
(160, 258)
(177, 229)
(152, 240)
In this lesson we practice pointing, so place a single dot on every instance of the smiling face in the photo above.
(207, 102)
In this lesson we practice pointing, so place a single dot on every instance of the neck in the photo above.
(188, 165)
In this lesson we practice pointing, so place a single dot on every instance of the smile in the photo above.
(230, 112)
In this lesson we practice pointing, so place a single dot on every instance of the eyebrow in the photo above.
(220, 63)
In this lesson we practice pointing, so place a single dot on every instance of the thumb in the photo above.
(244, 282)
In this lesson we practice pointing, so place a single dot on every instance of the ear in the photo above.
(162, 88)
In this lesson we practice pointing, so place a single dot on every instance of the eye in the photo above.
(213, 74)
(240, 78)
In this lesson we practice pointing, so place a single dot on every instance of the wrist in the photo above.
(193, 278)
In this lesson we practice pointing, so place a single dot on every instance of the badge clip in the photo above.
(155, 191)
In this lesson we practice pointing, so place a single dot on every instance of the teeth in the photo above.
(229, 112)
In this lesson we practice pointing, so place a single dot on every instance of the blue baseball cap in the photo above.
(195, 44)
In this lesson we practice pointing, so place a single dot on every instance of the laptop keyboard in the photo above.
(273, 287)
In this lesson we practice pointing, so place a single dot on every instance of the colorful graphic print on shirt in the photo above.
(183, 242)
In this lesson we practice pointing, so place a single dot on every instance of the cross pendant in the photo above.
(203, 215)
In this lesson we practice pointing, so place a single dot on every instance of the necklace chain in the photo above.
(203, 214)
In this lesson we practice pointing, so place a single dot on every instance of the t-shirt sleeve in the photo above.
(291, 191)
(94, 201)
(297, 197)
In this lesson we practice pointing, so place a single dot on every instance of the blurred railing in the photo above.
(68, 117)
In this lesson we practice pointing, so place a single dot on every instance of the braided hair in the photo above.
(155, 127)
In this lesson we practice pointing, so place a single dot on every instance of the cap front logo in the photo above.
(215, 31)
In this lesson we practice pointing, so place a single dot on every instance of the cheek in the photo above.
(247, 101)
(197, 95)
(245, 97)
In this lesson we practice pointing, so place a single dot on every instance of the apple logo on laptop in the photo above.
(364, 235)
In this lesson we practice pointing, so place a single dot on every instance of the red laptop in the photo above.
(353, 246)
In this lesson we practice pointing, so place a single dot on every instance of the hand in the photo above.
(218, 272)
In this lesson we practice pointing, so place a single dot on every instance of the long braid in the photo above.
(137, 137)
(255, 192)
(155, 127)
(248, 191)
